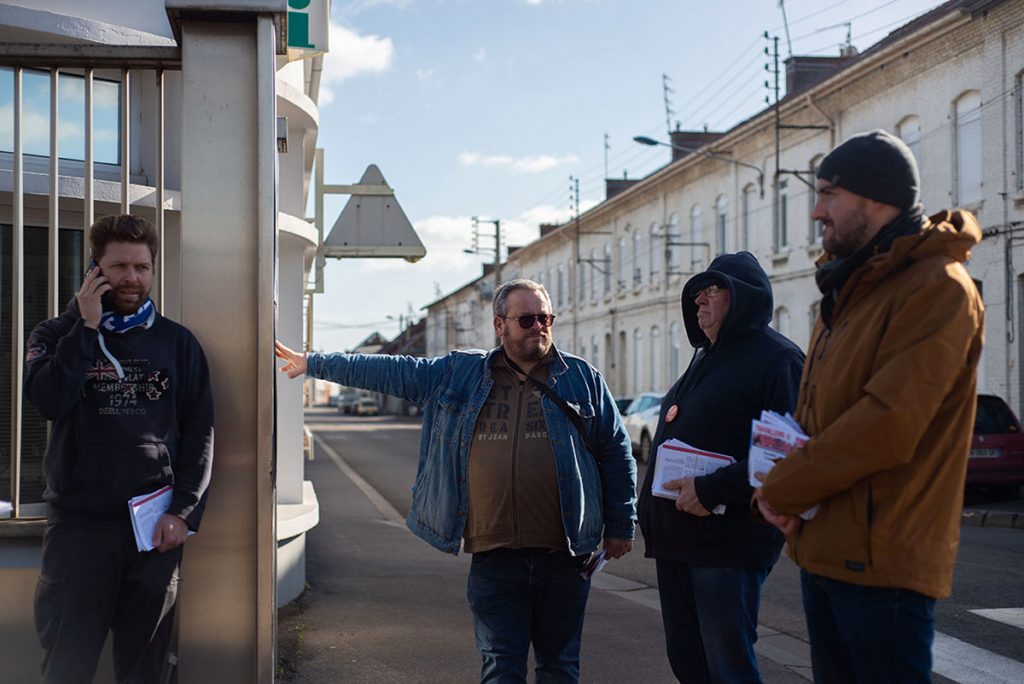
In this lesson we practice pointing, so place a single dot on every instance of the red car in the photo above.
(997, 450)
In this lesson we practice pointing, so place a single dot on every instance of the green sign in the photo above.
(308, 27)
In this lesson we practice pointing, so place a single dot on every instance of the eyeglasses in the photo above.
(711, 291)
(526, 321)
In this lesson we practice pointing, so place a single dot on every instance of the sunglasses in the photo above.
(711, 291)
(526, 321)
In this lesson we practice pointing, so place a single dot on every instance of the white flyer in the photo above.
(771, 439)
(678, 459)
(146, 510)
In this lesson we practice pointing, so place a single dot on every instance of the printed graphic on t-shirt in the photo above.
(129, 396)
(496, 421)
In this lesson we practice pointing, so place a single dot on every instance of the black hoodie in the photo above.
(114, 438)
(750, 367)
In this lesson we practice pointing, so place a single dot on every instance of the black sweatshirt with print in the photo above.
(114, 438)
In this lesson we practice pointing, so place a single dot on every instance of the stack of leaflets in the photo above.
(771, 439)
(146, 510)
(678, 459)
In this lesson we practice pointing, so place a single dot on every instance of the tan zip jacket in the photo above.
(888, 398)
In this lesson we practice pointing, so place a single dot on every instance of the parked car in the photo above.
(366, 406)
(347, 399)
(623, 404)
(641, 419)
(997, 449)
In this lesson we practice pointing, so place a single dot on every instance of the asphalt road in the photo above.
(383, 451)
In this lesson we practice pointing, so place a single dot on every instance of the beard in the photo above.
(530, 348)
(127, 300)
(853, 236)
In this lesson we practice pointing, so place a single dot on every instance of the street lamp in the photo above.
(644, 140)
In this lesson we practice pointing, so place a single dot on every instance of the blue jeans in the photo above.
(867, 634)
(524, 596)
(710, 619)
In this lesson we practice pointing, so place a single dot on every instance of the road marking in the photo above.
(1008, 616)
(967, 664)
(389, 512)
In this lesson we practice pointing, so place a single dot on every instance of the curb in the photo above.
(975, 518)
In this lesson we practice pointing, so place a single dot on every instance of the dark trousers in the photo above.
(867, 634)
(524, 596)
(710, 619)
(94, 581)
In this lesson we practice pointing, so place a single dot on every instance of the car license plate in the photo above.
(986, 453)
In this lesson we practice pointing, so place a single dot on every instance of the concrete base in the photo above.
(293, 521)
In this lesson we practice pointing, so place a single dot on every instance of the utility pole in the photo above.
(497, 245)
(773, 68)
(574, 207)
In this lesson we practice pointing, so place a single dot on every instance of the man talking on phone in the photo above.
(128, 392)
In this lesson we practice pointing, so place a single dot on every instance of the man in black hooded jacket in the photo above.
(711, 566)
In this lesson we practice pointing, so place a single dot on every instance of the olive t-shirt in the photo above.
(513, 483)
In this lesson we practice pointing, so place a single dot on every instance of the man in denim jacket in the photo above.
(504, 470)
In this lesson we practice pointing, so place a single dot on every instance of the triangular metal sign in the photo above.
(373, 226)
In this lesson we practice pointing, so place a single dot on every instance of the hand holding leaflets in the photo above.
(771, 439)
(677, 460)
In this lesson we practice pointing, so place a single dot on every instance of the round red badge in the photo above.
(671, 414)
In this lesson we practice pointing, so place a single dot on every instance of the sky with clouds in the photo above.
(487, 107)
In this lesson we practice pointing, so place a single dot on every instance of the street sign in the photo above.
(373, 224)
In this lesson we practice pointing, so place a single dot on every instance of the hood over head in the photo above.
(751, 302)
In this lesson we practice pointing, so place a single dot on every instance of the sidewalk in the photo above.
(383, 606)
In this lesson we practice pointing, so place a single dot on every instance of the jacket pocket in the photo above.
(450, 416)
(117, 472)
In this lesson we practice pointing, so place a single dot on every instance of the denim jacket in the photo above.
(598, 492)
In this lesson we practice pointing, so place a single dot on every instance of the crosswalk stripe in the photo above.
(1008, 616)
(967, 664)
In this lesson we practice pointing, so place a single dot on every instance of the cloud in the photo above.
(352, 55)
(480, 55)
(427, 77)
(363, 5)
(445, 238)
(546, 214)
(35, 129)
(534, 164)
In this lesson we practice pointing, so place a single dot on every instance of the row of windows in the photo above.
(647, 372)
(648, 256)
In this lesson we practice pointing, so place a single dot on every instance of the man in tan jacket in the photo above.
(888, 399)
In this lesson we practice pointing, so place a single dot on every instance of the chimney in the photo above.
(613, 186)
(691, 140)
(802, 73)
(546, 228)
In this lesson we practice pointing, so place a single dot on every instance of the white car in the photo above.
(641, 420)
(366, 406)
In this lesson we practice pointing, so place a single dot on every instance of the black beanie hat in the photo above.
(876, 165)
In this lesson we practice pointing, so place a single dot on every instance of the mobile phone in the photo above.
(105, 299)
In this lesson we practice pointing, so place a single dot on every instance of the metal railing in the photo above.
(84, 61)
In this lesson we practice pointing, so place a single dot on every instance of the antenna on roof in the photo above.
(846, 49)
(666, 92)
(785, 23)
